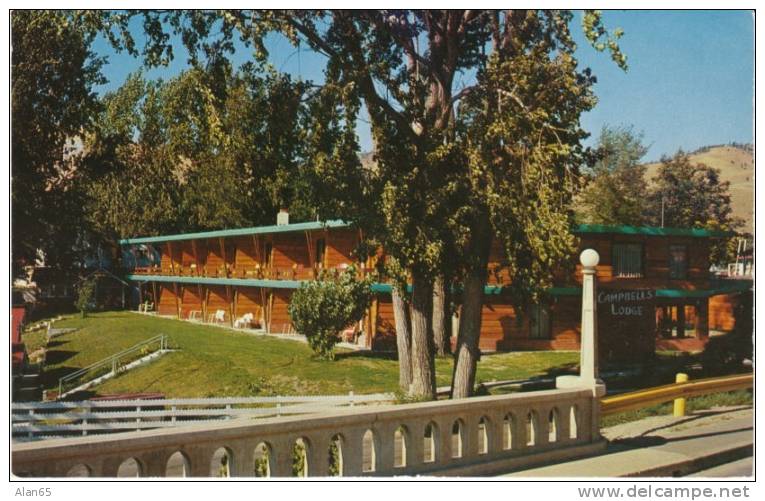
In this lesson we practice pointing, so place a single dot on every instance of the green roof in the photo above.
(317, 225)
(255, 230)
(652, 231)
(247, 282)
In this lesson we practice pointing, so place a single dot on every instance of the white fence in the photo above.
(467, 437)
(39, 420)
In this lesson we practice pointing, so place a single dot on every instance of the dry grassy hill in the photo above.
(736, 165)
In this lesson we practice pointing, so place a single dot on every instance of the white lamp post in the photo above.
(588, 350)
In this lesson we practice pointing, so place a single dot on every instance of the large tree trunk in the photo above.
(440, 316)
(423, 363)
(467, 353)
(403, 340)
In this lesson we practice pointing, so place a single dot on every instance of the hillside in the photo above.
(736, 165)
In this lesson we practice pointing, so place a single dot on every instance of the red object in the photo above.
(18, 319)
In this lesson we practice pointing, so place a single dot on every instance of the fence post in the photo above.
(679, 407)
(350, 398)
(31, 422)
(114, 366)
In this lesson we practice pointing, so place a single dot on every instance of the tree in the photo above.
(52, 102)
(448, 176)
(195, 153)
(321, 309)
(86, 296)
(687, 195)
(616, 188)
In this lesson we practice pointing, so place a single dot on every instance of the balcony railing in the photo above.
(296, 272)
(468, 437)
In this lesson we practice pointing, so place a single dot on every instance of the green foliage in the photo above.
(615, 189)
(321, 309)
(210, 148)
(334, 459)
(693, 196)
(299, 459)
(52, 103)
(86, 296)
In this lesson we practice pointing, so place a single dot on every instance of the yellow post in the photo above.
(680, 402)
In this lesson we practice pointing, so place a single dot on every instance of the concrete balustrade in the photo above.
(146, 453)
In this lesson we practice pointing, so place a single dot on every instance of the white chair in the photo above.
(244, 321)
(220, 316)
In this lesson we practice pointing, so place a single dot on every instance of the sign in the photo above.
(626, 325)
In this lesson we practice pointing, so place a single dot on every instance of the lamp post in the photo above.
(588, 349)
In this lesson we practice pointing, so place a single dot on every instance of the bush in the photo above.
(86, 296)
(321, 309)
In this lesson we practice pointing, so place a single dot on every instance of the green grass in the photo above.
(727, 399)
(34, 340)
(211, 361)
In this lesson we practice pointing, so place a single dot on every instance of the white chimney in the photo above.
(283, 218)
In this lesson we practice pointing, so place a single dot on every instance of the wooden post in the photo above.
(230, 302)
(223, 254)
(205, 294)
(702, 318)
(172, 259)
(311, 257)
(177, 304)
(156, 297)
(681, 320)
(196, 256)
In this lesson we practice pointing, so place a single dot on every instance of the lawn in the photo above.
(211, 361)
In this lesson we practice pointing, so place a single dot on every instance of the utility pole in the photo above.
(662, 211)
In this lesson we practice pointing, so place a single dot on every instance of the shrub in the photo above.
(321, 309)
(86, 296)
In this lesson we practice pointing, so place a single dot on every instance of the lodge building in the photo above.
(245, 278)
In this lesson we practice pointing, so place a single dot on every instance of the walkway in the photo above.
(665, 446)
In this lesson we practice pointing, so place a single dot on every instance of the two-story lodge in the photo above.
(245, 277)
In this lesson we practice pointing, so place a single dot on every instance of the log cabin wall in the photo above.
(186, 256)
(165, 260)
(722, 311)
(280, 317)
(167, 300)
(191, 299)
(217, 300)
(214, 264)
(246, 256)
(250, 300)
(340, 245)
(201, 250)
(290, 249)
(384, 338)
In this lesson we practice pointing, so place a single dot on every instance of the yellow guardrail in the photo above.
(660, 394)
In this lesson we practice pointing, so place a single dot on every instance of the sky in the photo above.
(690, 81)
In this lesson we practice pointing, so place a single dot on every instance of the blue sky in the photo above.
(690, 81)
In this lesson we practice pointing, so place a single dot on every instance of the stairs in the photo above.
(26, 386)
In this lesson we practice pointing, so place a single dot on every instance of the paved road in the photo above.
(741, 468)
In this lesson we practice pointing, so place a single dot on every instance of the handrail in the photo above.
(661, 394)
(111, 360)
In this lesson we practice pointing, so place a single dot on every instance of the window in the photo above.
(321, 249)
(628, 260)
(678, 262)
(540, 321)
